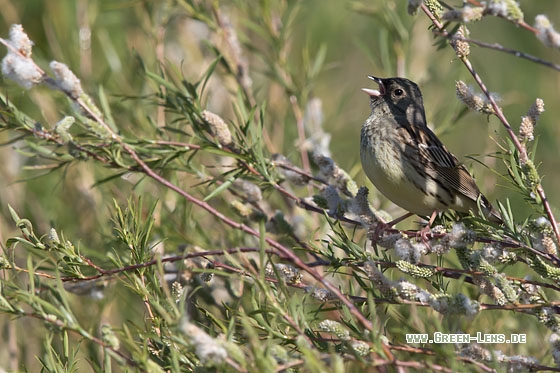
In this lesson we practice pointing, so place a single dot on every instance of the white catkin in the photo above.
(17, 65)
(546, 32)
(66, 81)
(208, 349)
(218, 127)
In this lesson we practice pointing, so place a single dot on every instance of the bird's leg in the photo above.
(399, 219)
(381, 227)
(423, 233)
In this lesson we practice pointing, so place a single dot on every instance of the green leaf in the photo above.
(14, 214)
(219, 189)
(106, 109)
(319, 61)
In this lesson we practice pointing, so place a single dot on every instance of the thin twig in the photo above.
(500, 48)
(168, 259)
(301, 136)
(523, 156)
(62, 325)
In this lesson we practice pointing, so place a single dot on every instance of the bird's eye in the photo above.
(398, 92)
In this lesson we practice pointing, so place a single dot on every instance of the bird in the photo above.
(407, 162)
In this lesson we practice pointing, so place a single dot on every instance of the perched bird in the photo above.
(405, 160)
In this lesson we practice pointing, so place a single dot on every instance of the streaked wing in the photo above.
(441, 163)
(459, 179)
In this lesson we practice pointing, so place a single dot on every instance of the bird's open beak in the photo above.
(375, 92)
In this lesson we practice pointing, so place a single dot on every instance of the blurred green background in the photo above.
(100, 42)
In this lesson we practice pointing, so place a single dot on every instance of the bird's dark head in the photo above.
(399, 94)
